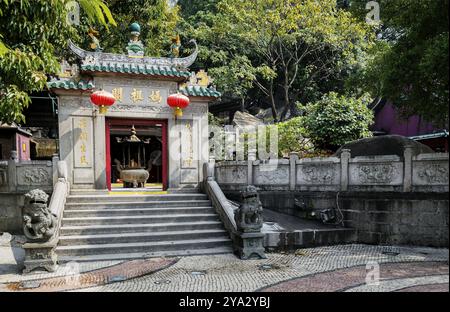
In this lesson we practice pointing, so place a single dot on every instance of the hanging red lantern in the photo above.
(103, 100)
(178, 102)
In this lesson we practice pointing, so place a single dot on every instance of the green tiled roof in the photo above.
(71, 85)
(200, 91)
(131, 68)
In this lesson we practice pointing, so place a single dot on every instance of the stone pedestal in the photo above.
(250, 246)
(40, 256)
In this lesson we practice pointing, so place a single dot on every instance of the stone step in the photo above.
(123, 205)
(134, 198)
(135, 228)
(79, 250)
(76, 213)
(141, 255)
(139, 219)
(139, 237)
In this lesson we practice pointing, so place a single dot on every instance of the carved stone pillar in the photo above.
(407, 160)
(292, 170)
(345, 158)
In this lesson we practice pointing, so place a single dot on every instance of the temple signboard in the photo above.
(138, 95)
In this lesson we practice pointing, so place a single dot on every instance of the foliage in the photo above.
(214, 121)
(277, 50)
(336, 120)
(31, 34)
(411, 65)
(293, 138)
(157, 20)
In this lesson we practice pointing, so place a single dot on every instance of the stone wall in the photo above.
(18, 178)
(387, 199)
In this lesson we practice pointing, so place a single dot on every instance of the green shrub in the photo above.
(336, 120)
(292, 138)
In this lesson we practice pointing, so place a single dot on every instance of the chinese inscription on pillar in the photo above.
(83, 141)
(187, 146)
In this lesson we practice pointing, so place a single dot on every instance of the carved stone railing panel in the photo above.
(430, 169)
(379, 170)
(271, 174)
(318, 171)
(34, 173)
(387, 173)
(231, 172)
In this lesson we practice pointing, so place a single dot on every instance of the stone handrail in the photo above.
(219, 201)
(41, 254)
(386, 173)
(248, 242)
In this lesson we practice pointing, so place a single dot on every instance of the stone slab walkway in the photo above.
(331, 268)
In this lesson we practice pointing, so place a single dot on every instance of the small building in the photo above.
(388, 121)
(14, 138)
(140, 130)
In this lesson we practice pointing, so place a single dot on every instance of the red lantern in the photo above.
(103, 100)
(178, 102)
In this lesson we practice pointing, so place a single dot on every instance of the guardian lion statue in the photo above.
(38, 222)
(249, 215)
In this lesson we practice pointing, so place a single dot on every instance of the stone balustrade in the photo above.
(23, 176)
(387, 173)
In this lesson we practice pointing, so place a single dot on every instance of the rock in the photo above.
(384, 145)
(243, 120)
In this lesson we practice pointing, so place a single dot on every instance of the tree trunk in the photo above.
(272, 103)
(242, 104)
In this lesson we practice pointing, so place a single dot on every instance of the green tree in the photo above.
(286, 50)
(31, 34)
(336, 120)
(157, 19)
(411, 65)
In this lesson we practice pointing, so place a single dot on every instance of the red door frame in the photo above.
(137, 122)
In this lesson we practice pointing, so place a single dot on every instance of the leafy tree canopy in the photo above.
(278, 50)
(411, 64)
(31, 34)
(157, 19)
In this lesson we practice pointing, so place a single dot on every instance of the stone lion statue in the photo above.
(249, 215)
(38, 222)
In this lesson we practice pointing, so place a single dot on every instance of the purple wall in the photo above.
(387, 119)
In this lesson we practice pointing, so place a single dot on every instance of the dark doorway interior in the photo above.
(136, 147)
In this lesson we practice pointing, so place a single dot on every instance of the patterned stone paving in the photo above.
(332, 268)
(124, 271)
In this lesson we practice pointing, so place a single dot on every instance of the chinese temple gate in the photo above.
(172, 148)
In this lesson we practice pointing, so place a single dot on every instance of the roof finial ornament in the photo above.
(135, 47)
(175, 47)
(95, 44)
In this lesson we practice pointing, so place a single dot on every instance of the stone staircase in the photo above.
(99, 227)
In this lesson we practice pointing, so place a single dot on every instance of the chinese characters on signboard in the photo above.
(138, 95)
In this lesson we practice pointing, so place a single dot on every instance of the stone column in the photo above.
(251, 159)
(55, 160)
(293, 157)
(99, 152)
(407, 168)
(12, 168)
(345, 158)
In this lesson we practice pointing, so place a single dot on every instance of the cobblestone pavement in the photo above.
(332, 268)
